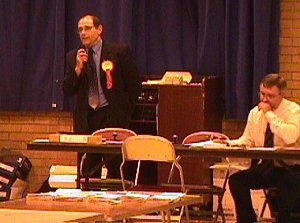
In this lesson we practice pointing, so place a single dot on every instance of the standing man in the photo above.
(105, 79)
(275, 121)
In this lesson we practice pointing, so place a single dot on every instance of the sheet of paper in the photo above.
(113, 142)
(208, 144)
(41, 140)
(168, 196)
(289, 148)
(262, 149)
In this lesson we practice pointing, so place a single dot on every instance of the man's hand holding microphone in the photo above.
(81, 59)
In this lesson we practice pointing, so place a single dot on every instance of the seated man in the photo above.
(275, 121)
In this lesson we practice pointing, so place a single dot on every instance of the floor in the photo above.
(152, 219)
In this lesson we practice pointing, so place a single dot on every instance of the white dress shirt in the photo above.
(284, 123)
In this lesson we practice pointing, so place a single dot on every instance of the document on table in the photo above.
(262, 148)
(114, 142)
(207, 144)
(289, 148)
(111, 197)
(169, 196)
(41, 140)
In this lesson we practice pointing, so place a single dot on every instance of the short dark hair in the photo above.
(274, 79)
(96, 20)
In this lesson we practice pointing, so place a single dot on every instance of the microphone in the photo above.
(84, 48)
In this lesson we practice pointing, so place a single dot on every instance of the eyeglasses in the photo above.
(268, 96)
(84, 28)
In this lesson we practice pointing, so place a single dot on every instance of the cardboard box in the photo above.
(54, 137)
(72, 138)
(18, 189)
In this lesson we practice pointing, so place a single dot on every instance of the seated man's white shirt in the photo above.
(284, 123)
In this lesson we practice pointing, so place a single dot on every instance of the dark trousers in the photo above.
(102, 118)
(262, 176)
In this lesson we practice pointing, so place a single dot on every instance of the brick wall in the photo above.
(290, 47)
(289, 59)
(18, 128)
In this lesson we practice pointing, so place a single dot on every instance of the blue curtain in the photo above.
(251, 51)
(236, 40)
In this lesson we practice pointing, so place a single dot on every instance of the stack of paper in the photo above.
(63, 176)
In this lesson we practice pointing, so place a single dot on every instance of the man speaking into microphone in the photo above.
(104, 77)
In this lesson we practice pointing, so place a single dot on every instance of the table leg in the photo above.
(78, 170)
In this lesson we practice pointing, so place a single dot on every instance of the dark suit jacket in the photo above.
(123, 95)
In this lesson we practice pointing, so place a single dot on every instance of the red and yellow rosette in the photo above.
(108, 66)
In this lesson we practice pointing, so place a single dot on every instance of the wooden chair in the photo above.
(151, 148)
(214, 190)
(109, 135)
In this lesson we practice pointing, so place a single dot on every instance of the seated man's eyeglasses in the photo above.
(264, 95)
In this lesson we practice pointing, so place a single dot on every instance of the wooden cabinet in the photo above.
(144, 119)
(179, 109)
(169, 110)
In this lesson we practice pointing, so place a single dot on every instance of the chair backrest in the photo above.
(204, 136)
(115, 134)
(149, 148)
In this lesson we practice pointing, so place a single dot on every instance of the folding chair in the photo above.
(271, 200)
(114, 135)
(151, 148)
(268, 193)
(209, 189)
(110, 136)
